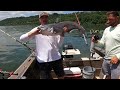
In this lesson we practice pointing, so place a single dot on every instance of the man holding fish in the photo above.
(47, 49)
(49, 38)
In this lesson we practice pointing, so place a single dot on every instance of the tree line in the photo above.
(89, 20)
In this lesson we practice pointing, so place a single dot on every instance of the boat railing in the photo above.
(25, 68)
(18, 74)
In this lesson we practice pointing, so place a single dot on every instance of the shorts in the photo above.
(45, 69)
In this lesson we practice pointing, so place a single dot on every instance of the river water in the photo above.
(13, 54)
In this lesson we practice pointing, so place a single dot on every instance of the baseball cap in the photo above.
(43, 14)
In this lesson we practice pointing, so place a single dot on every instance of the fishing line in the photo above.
(85, 41)
(24, 44)
(83, 28)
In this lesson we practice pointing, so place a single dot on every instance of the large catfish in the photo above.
(57, 28)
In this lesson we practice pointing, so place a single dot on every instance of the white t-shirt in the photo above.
(47, 47)
(111, 41)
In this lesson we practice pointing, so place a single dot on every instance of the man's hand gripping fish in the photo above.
(57, 28)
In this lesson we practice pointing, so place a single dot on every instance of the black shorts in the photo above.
(45, 69)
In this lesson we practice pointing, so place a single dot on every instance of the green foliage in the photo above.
(90, 20)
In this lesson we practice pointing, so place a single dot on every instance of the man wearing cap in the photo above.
(47, 50)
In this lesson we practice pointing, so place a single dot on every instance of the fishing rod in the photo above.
(17, 41)
(84, 39)
(82, 27)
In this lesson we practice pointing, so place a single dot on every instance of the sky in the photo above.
(11, 14)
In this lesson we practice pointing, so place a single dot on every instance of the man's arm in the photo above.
(118, 56)
(29, 35)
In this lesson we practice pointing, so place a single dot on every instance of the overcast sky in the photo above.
(9, 14)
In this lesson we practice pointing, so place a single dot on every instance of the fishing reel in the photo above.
(92, 51)
(96, 37)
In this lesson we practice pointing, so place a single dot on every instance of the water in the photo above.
(13, 54)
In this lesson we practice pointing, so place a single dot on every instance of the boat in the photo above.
(29, 70)
(73, 67)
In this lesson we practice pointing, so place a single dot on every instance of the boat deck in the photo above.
(29, 70)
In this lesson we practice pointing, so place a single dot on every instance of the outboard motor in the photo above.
(66, 47)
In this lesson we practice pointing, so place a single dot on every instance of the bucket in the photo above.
(88, 72)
